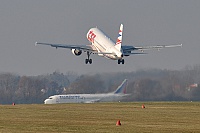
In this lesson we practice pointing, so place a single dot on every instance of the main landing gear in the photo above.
(88, 60)
(121, 61)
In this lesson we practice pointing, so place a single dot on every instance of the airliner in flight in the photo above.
(104, 46)
(117, 95)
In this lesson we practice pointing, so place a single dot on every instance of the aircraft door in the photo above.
(57, 100)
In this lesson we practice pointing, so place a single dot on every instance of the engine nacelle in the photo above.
(127, 53)
(76, 52)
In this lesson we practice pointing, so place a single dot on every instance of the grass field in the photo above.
(101, 117)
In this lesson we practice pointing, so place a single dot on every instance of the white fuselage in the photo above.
(103, 44)
(84, 98)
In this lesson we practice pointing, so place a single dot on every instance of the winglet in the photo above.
(36, 43)
(119, 39)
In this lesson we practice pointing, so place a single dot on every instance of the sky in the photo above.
(146, 23)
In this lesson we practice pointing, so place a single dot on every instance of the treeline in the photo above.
(143, 85)
(30, 89)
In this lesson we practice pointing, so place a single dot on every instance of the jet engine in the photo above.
(76, 52)
(127, 53)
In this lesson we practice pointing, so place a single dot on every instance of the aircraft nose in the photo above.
(45, 101)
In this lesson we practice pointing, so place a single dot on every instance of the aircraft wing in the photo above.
(85, 48)
(127, 50)
(93, 101)
(81, 47)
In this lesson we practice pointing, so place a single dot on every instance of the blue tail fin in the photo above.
(122, 87)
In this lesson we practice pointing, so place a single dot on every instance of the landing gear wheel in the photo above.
(86, 61)
(122, 61)
(119, 61)
(90, 61)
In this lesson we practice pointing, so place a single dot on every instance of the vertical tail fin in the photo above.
(122, 87)
(119, 39)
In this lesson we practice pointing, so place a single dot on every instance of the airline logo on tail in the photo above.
(119, 39)
(122, 87)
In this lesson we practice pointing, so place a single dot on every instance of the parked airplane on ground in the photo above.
(104, 46)
(117, 95)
